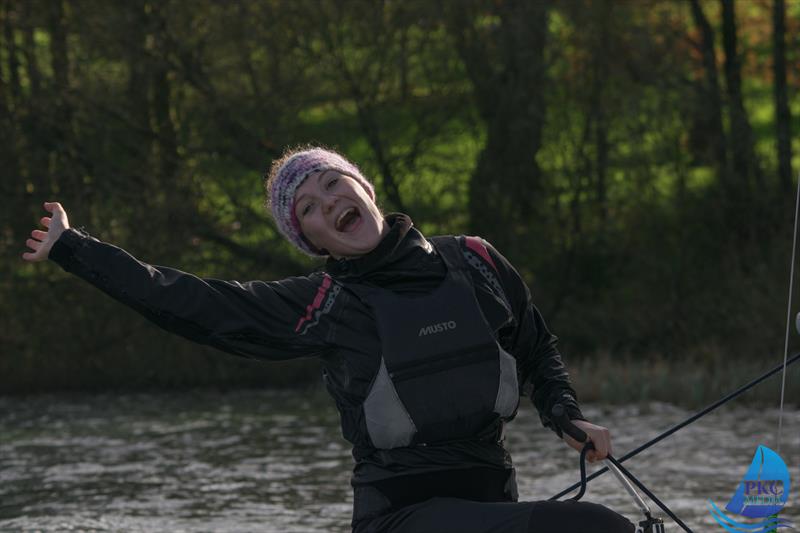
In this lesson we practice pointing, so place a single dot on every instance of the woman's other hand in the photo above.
(41, 241)
(599, 435)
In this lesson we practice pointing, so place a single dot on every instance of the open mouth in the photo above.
(348, 219)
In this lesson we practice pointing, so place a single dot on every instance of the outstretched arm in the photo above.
(254, 319)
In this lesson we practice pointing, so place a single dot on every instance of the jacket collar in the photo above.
(402, 245)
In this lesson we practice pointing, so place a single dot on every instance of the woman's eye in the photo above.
(306, 209)
(332, 182)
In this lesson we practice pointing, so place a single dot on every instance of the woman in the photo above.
(427, 345)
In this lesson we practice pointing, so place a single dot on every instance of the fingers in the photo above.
(59, 215)
(602, 446)
(34, 257)
(39, 241)
(36, 254)
(33, 244)
(600, 437)
(52, 207)
(602, 443)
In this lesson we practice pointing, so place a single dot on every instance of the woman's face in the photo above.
(336, 214)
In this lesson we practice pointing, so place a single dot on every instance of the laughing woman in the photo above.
(427, 345)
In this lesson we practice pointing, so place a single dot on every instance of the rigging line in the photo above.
(650, 495)
(686, 422)
(788, 315)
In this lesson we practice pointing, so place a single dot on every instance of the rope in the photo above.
(649, 494)
(686, 422)
(581, 492)
(788, 315)
(590, 446)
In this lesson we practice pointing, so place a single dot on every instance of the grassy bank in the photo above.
(688, 382)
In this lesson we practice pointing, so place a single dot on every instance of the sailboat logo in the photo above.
(762, 493)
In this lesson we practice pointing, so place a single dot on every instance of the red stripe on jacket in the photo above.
(476, 245)
(313, 306)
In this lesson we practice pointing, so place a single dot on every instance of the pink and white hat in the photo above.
(290, 174)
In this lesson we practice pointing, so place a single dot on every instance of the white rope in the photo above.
(788, 315)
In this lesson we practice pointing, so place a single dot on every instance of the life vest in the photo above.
(442, 375)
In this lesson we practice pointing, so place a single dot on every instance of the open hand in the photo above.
(41, 241)
(599, 435)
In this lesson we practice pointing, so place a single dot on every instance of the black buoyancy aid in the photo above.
(442, 376)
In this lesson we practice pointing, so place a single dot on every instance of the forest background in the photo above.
(634, 160)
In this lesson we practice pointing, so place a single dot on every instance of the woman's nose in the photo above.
(328, 203)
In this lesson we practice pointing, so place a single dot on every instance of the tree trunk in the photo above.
(745, 163)
(34, 125)
(138, 60)
(507, 69)
(783, 117)
(403, 66)
(58, 46)
(598, 109)
(13, 190)
(710, 107)
(14, 89)
(64, 172)
(166, 144)
(29, 51)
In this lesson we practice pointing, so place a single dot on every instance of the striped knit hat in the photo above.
(288, 173)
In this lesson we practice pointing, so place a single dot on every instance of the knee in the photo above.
(604, 520)
(577, 517)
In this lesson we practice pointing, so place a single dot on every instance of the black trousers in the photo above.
(454, 515)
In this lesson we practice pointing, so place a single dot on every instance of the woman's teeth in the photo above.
(346, 218)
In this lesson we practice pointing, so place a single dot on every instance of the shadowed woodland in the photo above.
(633, 159)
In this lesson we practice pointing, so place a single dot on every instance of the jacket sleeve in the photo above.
(542, 373)
(255, 319)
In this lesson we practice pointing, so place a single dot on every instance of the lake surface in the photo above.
(275, 461)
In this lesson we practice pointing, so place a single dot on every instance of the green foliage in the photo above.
(156, 133)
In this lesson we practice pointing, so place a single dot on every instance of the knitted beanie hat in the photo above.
(288, 173)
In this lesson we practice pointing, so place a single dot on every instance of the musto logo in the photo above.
(436, 328)
(761, 494)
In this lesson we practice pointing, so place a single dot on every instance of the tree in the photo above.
(709, 111)
(746, 168)
(502, 46)
(783, 116)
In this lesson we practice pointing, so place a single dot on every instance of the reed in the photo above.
(689, 381)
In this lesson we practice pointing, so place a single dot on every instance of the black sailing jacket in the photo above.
(313, 316)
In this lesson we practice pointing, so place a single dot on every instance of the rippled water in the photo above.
(275, 462)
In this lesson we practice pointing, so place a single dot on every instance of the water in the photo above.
(275, 462)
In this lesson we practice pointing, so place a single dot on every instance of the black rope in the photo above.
(649, 494)
(590, 446)
(681, 425)
(584, 451)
